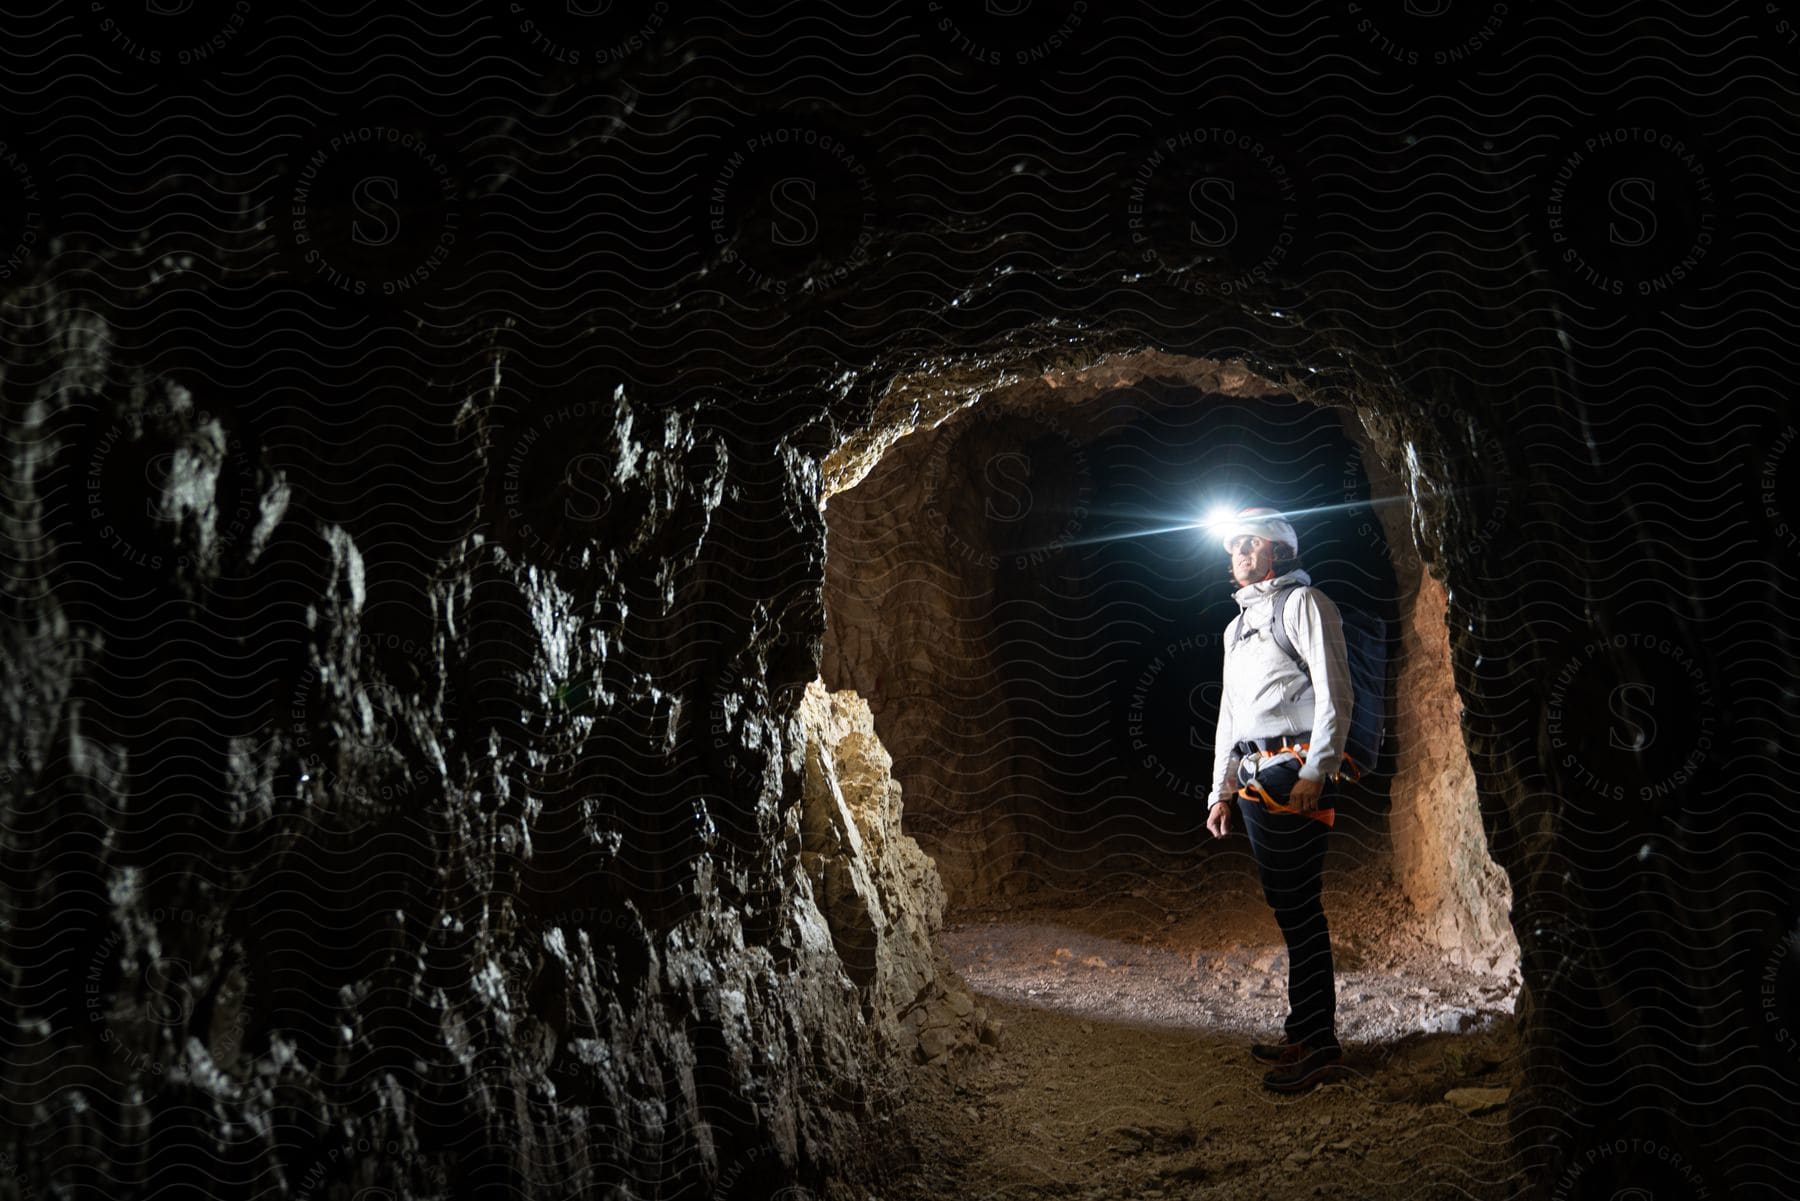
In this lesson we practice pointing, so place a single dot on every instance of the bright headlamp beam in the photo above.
(1164, 529)
(1220, 516)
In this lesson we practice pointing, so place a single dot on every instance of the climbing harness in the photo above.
(1261, 757)
(1253, 763)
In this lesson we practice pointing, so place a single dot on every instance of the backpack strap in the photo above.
(1278, 629)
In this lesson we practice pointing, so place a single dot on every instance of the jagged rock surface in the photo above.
(299, 892)
(423, 813)
(880, 893)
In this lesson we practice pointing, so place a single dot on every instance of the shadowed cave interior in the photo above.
(1042, 663)
(724, 893)
(1018, 596)
(420, 777)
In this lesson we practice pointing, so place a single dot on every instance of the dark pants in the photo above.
(1290, 856)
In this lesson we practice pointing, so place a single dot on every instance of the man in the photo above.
(1279, 743)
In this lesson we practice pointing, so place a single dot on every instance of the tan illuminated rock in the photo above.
(879, 892)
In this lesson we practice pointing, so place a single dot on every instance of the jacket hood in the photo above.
(1250, 594)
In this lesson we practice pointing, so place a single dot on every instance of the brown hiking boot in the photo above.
(1270, 1052)
(1301, 1068)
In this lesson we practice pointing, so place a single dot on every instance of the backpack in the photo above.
(1365, 648)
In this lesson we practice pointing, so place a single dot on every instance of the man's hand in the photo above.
(1304, 795)
(1218, 819)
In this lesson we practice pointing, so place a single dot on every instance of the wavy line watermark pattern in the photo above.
(1431, 471)
(370, 212)
(23, 205)
(1637, 742)
(1631, 213)
(1433, 41)
(1171, 714)
(170, 1002)
(1216, 195)
(590, 33)
(790, 208)
(1008, 488)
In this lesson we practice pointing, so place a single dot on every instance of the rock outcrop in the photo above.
(1440, 848)
(880, 894)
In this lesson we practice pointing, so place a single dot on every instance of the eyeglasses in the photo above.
(1238, 544)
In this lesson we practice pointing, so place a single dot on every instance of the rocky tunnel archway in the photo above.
(536, 569)
(662, 936)
(1027, 733)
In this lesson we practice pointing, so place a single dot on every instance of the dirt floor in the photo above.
(1124, 1071)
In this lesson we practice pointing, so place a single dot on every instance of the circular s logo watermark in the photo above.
(1775, 993)
(1630, 721)
(1634, 724)
(1218, 208)
(1629, 1169)
(25, 204)
(1630, 210)
(1007, 488)
(356, 1157)
(370, 211)
(1437, 44)
(587, 32)
(588, 487)
(169, 42)
(1783, 18)
(1005, 44)
(559, 483)
(789, 207)
(156, 488)
(1778, 482)
(167, 998)
(741, 752)
(1169, 716)
(759, 1174)
(361, 741)
(146, 1008)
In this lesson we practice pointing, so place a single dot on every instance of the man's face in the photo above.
(1251, 557)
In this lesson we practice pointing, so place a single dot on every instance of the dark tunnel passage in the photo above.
(1022, 597)
(1027, 599)
(1089, 719)
(603, 604)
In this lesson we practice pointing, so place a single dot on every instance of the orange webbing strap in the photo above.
(1262, 794)
(1299, 750)
(1269, 802)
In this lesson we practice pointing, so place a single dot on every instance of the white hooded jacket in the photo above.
(1267, 694)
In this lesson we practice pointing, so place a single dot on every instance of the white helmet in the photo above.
(1262, 522)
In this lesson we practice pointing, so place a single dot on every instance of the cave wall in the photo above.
(1440, 846)
(520, 545)
(399, 914)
